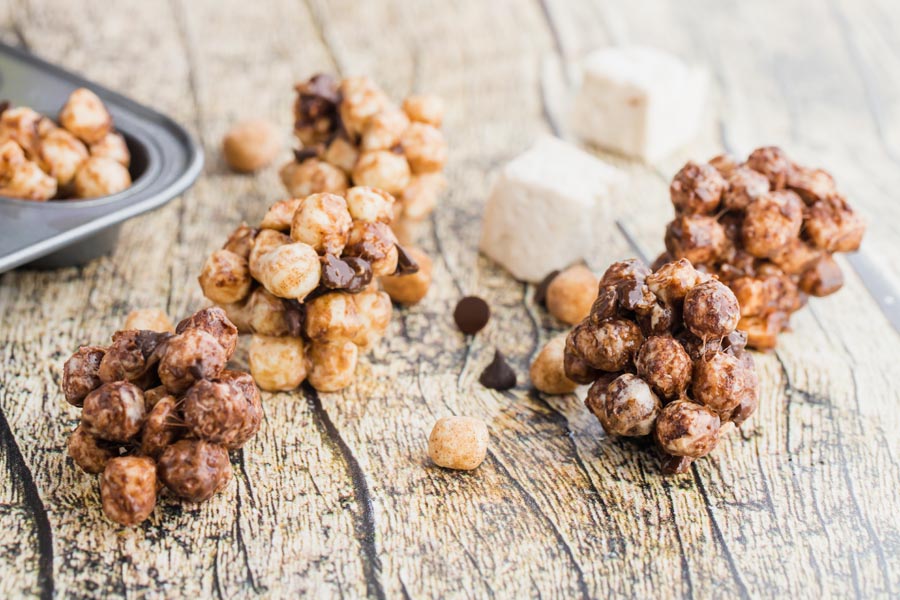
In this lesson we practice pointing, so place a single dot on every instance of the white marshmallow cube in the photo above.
(546, 207)
(639, 101)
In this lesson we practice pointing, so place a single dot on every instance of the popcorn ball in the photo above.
(663, 357)
(305, 284)
(351, 134)
(767, 228)
(82, 156)
(160, 407)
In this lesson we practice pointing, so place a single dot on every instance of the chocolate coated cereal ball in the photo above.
(833, 226)
(90, 453)
(128, 489)
(266, 241)
(664, 364)
(323, 222)
(711, 310)
(191, 356)
(277, 363)
(697, 189)
(374, 309)
(162, 427)
(424, 147)
(225, 277)
(241, 241)
(312, 176)
(215, 322)
(114, 412)
(698, 238)
(771, 222)
(194, 469)
(332, 317)
(370, 204)
(332, 365)
(215, 411)
(631, 407)
(281, 214)
(672, 281)
(382, 130)
(719, 382)
(81, 374)
(290, 271)
(824, 277)
(132, 356)
(772, 162)
(687, 429)
(382, 169)
(744, 186)
(610, 346)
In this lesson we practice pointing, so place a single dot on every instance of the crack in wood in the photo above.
(366, 517)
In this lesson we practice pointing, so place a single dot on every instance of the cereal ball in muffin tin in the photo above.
(771, 238)
(664, 359)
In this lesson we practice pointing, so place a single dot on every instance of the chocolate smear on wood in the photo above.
(498, 375)
(471, 314)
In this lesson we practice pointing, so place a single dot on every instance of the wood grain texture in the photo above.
(336, 496)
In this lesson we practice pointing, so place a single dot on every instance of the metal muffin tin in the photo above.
(165, 161)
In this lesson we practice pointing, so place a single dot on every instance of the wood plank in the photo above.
(336, 495)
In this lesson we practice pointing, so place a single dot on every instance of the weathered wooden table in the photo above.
(336, 495)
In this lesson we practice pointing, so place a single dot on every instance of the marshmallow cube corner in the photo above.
(639, 101)
(544, 209)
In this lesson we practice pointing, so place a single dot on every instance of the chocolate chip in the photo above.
(4, 106)
(406, 264)
(498, 375)
(351, 273)
(471, 314)
(540, 293)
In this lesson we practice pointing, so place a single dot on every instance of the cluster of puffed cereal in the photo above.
(351, 134)
(664, 358)
(158, 405)
(305, 285)
(83, 157)
(768, 228)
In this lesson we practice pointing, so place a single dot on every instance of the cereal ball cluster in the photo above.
(305, 285)
(664, 358)
(768, 228)
(160, 408)
(350, 133)
(80, 157)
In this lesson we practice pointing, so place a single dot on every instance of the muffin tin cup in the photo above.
(165, 161)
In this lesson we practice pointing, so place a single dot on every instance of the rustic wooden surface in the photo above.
(336, 496)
